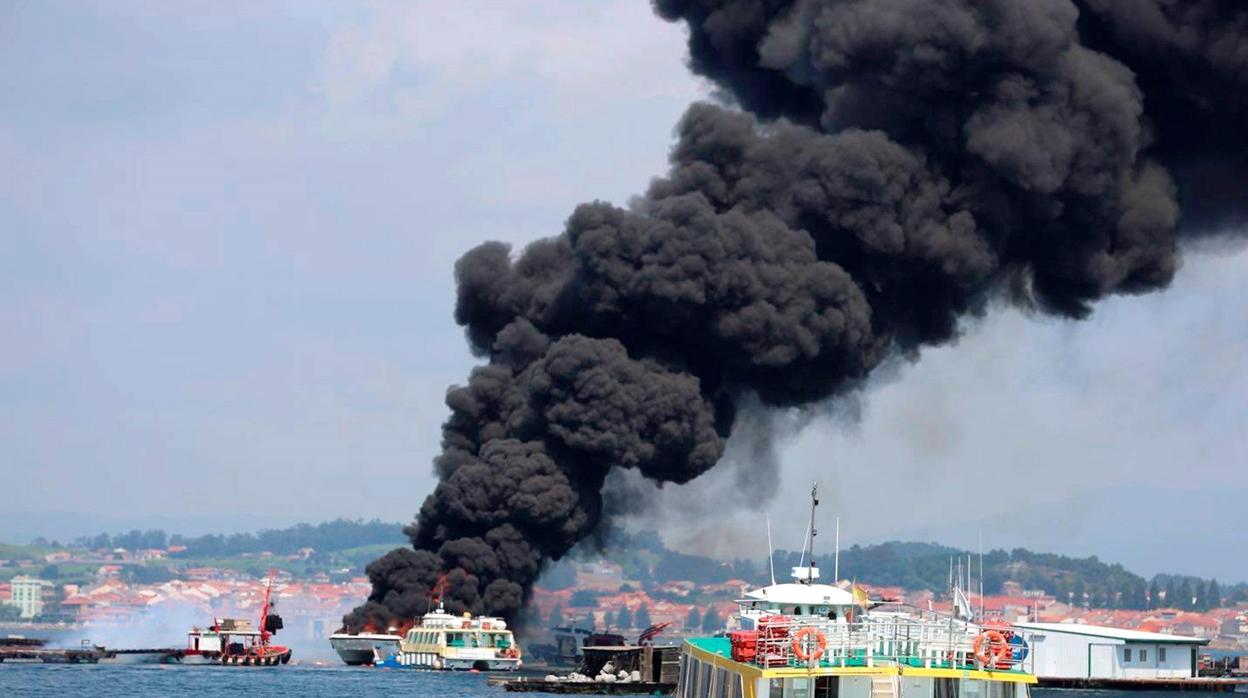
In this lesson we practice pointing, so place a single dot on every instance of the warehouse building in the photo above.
(1077, 651)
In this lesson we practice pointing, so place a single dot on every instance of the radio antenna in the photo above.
(771, 555)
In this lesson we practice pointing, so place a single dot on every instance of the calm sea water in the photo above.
(22, 680)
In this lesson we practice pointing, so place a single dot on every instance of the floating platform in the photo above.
(31, 655)
(37, 654)
(1188, 684)
(159, 655)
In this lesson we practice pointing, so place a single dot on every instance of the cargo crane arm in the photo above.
(270, 623)
(650, 633)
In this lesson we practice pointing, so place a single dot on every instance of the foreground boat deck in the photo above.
(718, 651)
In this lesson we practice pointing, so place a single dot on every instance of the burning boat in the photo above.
(443, 641)
(236, 642)
(365, 649)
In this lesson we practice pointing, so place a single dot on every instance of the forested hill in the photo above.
(330, 536)
(1084, 581)
(645, 557)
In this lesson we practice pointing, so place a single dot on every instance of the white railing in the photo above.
(876, 640)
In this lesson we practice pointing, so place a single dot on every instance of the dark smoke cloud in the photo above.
(891, 165)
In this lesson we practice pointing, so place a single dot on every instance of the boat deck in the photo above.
(719, 650)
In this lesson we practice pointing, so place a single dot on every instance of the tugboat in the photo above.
(824, 641)
(443, 641)
(235, 642)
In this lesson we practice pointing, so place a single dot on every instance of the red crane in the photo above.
(264, 611)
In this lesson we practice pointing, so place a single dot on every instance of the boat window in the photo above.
(1126, 654)
(721, 683)
(799, 688)
(1143, 655)
(704, 680)
(971, 689)
(945, 688)
(683, 679)
(822, 687)
(736, 680)
(1000, 689)
(1161, 654)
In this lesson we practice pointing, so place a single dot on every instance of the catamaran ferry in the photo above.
(363, 649)
(809, 640)
(445, 641)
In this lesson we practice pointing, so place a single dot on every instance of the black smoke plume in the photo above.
(877, 169)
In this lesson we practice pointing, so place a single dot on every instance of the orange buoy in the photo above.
(809, 644)
(991, 648)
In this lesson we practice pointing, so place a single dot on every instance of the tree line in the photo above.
(339, 534)
(1086, 581)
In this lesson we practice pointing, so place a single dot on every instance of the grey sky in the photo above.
(226, 289)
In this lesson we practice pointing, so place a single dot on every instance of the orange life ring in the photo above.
(802, 648)
(997, 651)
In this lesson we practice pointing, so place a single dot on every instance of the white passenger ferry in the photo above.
(445, 641)
(809, 640)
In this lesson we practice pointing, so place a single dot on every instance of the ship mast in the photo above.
(807, 574)
(438, 590)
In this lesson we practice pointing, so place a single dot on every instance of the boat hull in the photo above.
(431, 660)
(364, 650)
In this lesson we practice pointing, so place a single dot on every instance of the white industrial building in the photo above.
(27, 594)
(1077, 651)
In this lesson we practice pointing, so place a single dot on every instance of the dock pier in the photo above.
(91, 654)
(82, 655)
(1186, 684)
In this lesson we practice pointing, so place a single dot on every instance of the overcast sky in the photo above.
(226, 292)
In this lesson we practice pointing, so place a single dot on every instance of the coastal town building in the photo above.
(26, 593)
(1079, 651)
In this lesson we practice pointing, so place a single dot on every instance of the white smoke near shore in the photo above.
(165, 626)
(158, 626)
